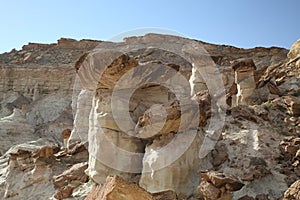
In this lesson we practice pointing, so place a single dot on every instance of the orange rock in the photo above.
(293, 192)
(116, 188)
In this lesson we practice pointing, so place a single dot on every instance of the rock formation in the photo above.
(81, 119)
(244, 79)
(294, 55)
(36, 88)
(38, 80)
(12, 126)
(147, 117)
(70, 179)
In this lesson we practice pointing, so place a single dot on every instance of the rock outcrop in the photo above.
(38, 80)
(158, 125)
(244, 80)
(163, 81)
(26, 171)
(70, 179)
(294, 56)
(81, 120)
(40, 170)
(152, 113)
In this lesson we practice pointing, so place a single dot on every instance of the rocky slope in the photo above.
(36, 88)
(168, 117)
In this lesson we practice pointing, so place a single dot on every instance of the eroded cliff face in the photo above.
(157, 112)
(240, 148)
(36, 88)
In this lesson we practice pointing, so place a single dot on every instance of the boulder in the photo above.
(219, 180)
(209, 191)
(66, 182)
(165, 195)
(293, 192)
(116, 188)
(216, 185)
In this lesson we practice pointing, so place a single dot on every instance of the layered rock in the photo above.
(106, 139)
(244, 79)
(124, 69)
(26, 171)
(38, 80)
(39, 170)
(135, 105)
(70, 179)
(137, 81)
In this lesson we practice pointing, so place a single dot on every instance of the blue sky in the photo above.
(242, 23)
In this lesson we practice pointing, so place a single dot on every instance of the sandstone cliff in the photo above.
(165, 115)
(38, 83)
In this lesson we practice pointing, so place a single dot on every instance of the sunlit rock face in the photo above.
(294, 54)
(128, 87)
(151, 112)
(38, 80)
(81, 119)
(244, 79)
(137, 114)
(168, 169)
(116, 188)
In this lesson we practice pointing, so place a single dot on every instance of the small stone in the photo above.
(208, 190)
(165, 195)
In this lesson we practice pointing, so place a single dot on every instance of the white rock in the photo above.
(172, 163)
(15, 130)
(81, 120)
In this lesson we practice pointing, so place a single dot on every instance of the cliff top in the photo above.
(63, 52)
(66, 49)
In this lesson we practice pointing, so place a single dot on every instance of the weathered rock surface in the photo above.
(152, 80)
(129, 104)
(26, 171)
(66, 182)
(81, 120)
(169, 164)
(15, 126)
(294, 56)
(39, 81)
(245, 150)
(165, 195)
(36, 170)
(115, 188)
(218, 185)
(244, 80)
(293, 192)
